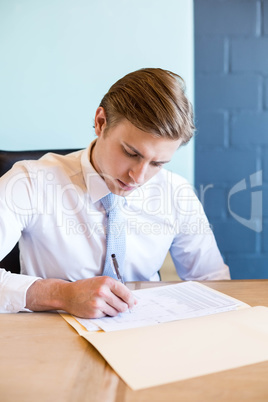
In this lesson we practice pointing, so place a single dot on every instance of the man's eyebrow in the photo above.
(140, 155)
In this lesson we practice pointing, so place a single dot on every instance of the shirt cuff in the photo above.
(13, 289)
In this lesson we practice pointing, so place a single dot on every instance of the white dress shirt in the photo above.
(52, 206)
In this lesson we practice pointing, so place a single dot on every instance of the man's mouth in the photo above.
(126, 187)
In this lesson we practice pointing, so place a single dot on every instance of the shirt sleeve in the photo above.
(15, 212)
(13, 289)
(194, 249)
(15, 207)
(197, 258)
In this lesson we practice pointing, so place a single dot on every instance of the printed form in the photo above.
(166, 303)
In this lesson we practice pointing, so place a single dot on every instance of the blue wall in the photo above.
(59, 57)
(231, 101)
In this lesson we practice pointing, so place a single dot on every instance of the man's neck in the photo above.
(91, 156)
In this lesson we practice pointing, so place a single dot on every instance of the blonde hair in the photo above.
(154, 101)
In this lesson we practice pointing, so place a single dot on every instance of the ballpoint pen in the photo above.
(116, 268)
(119, 277)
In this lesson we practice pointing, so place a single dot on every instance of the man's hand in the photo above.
(87, 298)
(97, 297)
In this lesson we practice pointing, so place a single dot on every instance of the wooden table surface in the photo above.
(42, 358)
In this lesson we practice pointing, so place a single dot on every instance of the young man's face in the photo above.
(127, 157)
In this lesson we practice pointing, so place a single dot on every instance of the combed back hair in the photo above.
(154, 101)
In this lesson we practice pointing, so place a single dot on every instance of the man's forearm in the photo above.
(87, 298)
(46, 294)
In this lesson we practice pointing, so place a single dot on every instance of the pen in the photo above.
(116, 268)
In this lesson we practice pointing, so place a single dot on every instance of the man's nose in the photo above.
(138, 172)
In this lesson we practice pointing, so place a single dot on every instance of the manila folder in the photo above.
(164, 353)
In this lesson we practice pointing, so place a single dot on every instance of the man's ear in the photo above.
(100, 121)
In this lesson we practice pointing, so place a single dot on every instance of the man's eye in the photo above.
(156, 164)
(128, 153)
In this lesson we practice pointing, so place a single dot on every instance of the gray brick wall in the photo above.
(231, 109)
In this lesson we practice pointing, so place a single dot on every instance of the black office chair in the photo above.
(7, 160)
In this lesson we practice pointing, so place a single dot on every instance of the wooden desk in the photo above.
(42, 358)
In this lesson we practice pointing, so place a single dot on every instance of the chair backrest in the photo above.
(7, 160)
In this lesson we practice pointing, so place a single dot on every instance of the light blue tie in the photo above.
(115, 235)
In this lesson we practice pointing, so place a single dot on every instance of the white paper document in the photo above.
(167, 303)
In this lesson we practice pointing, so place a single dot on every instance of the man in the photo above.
(55, 207)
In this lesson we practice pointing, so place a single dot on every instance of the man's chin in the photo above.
(123, 193)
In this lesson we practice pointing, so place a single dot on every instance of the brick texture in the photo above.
(265, 17)
(221, 17)
(265, 238)
(213, 126)
(214, 201)
(204, 48)
(266, 94)
(249, 129)
(231, 108)
(217, 92)
(249, 54)
(248, 266)
(265, 201)
(265, 166)
(229, 231)
(224, 165)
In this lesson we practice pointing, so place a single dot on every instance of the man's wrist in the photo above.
(46, 294)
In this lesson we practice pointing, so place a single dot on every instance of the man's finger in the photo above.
(121, 291)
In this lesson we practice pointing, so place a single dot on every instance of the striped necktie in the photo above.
(115, 234)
